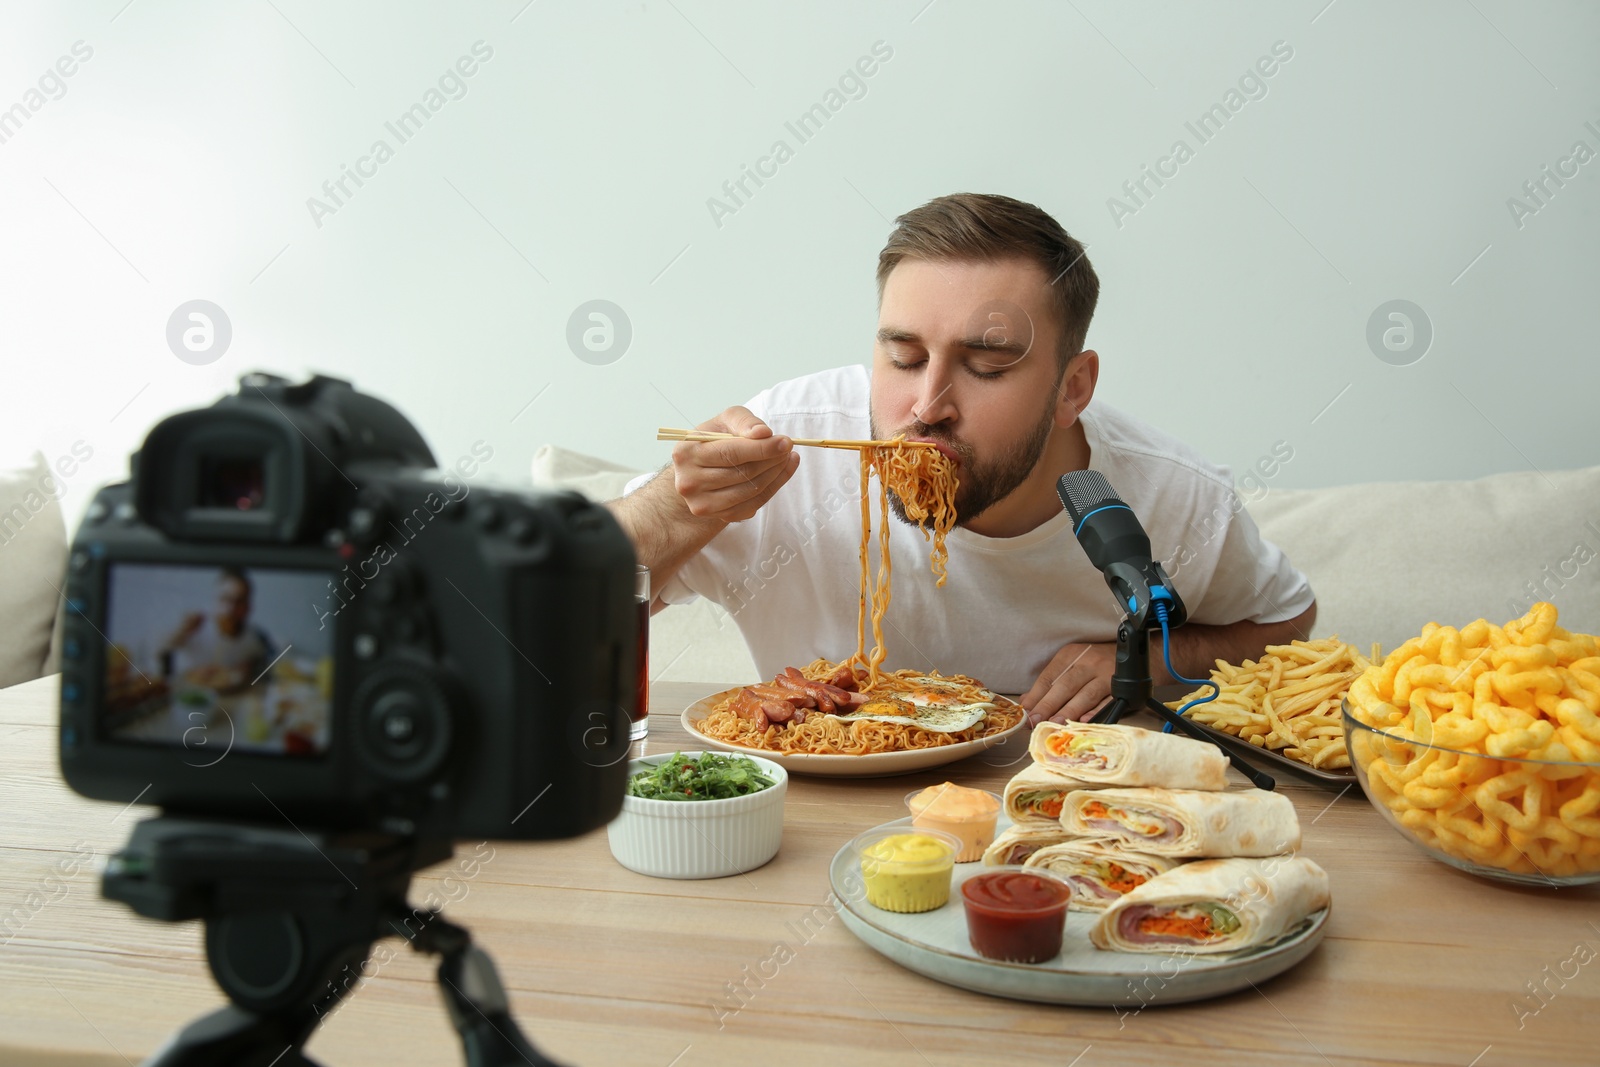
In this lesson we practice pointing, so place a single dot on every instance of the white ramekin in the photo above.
(699, 838)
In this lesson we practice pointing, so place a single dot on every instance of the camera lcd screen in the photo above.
(217, 659)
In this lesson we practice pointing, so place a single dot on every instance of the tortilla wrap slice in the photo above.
(1186, 823)
(1036, 795)
(1112, 754)
(1022, 840)
(1098, 872)
(1214, 906)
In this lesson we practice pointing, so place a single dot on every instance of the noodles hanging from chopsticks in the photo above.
(924, 480)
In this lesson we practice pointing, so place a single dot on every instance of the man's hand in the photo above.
(731, 480)
(186, 629)
(1075, 683)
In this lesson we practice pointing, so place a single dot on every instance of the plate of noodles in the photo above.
(887, 722)
(829, 746)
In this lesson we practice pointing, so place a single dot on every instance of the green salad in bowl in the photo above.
(734, 824)
(706, 776)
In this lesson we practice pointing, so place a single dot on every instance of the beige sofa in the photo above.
(1383, 558)
(33, 557)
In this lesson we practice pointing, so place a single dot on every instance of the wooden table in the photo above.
(1422, 964)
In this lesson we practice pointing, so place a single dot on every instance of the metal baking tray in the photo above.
(1264, 758)
(1273, 762)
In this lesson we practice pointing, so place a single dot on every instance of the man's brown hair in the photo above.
(983, 227)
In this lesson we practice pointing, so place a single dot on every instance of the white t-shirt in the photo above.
(210, 647)
(790, 576)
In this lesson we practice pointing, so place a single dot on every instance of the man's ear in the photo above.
(1077, 387)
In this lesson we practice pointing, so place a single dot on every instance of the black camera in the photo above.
(288, 613)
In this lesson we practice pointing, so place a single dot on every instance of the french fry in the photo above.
(1287, 701)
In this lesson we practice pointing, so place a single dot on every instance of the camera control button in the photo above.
(125, 513)
(71, 691)
(399, 727)
(524, 529)
(365, 646)
(71, 649)
(487, 515)
(97, 513)
(405, 724)
(79, 561)
(365, 521)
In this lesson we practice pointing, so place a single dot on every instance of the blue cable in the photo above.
(1166, 654)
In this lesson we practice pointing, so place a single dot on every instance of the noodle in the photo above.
(924, 481)
(825, 735)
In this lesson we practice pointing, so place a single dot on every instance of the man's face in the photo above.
(233, 605)
(966, 358)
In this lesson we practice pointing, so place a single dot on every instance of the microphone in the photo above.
(1118, 547)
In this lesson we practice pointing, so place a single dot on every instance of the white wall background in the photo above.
(178, 162)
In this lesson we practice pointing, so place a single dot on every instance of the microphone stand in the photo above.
(1131, 690)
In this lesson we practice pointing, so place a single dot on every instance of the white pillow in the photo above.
(1385, 558)
(597, 479)
(694, 642)
(33, 559)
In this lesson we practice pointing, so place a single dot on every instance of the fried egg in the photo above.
(931, 703)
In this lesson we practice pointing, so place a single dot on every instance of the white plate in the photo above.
(876, 765)
(934, 943)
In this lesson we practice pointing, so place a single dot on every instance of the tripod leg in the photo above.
(1113, 711)
(481, 1013)
(231, 1037)
(1260, 779)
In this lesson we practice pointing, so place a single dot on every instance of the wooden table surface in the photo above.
(1422, 964)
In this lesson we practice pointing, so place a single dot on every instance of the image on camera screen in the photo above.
(217, 659)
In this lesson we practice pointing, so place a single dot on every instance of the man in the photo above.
(984, 303)
(230, 653)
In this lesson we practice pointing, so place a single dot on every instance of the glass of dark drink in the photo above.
(641, 596)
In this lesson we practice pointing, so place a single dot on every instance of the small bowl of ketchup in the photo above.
(1016, 914)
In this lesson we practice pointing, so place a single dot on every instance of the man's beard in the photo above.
(982, 483)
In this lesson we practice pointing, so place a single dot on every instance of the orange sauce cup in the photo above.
(967, 814)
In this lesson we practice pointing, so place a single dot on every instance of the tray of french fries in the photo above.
(1283, 710)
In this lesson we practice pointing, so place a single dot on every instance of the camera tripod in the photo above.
(1131, 690)
(290, 919)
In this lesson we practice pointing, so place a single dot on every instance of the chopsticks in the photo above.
(667, 433)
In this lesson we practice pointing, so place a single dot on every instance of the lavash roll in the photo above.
(1079, 862)
(1034, 780)
(1131, 755)
(1269, 897)
(1022, 840)
(1198, 823)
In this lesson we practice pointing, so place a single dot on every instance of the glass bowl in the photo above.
(1532, 822)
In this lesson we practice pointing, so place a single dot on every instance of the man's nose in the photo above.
(936, 399)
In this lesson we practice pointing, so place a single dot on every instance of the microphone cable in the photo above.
(1160, 608)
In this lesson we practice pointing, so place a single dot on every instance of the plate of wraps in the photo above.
(1184, 885)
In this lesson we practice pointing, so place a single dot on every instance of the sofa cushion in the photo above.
(33, 558)
(1384, 558)
(597, 479)
(694, 642)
